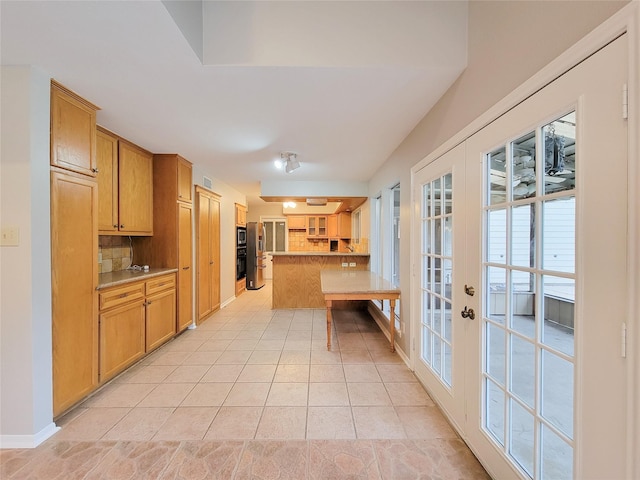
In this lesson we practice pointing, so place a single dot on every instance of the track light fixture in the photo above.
(289, 161)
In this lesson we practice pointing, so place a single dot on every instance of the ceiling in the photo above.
(230, 85)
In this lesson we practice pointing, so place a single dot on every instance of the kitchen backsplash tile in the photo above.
(114, 253)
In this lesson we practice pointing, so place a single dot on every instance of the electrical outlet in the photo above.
(345, 264)
(352, 264)
(10, 237)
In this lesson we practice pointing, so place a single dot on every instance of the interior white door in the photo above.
(543, 209)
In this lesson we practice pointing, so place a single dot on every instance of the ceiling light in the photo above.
(289, 204)
(320, 202)
(278, 163)
(289, 160)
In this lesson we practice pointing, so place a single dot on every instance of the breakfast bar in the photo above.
(357, 285)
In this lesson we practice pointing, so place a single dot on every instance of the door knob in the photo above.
(469, 291)
(468, 313)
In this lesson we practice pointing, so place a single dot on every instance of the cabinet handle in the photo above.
(148, 302)
(115, 226)
(121, 226)
(95, 170)
(122, 295)
(185, 268)
(211, 262)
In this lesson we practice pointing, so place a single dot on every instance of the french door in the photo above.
(522, 291)
(275, 240)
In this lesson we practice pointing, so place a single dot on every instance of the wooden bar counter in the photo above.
(296, 276)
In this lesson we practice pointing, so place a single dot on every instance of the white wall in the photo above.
(26, 408)
(508, 43)
(229, 197)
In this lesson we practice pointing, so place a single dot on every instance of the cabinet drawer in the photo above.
(121, 295)
(159, 284)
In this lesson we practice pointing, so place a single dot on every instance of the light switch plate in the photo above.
(10, 236)
(345, 264)
(352, 264)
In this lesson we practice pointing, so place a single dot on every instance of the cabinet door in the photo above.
(185, 183)
(122, 338)
(312, 226)
(135, 184)
(74, 268)
(332, 222)
(185, 272)
(160, 318)
(214, 253)
(297, 222)
(73, 132)
(107, 161)
(203, 234)
(322, 226)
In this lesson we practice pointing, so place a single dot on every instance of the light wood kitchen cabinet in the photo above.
(107, 160)
(122, 337)
(339, 225)
(74, 278)
(297, 222)
(160, 311)
(317, 226)
(73, 131)
(241, 215)
(171, 243)
(207, 252)
(134, 319)
(125, 176)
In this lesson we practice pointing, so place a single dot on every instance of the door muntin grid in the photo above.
(437, 276)
(528, 365)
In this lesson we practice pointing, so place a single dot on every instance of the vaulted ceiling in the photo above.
(229, 85)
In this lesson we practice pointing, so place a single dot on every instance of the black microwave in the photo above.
(241, 235)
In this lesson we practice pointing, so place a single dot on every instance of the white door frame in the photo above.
(625, 20)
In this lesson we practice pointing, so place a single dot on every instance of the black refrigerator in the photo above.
(256, 257)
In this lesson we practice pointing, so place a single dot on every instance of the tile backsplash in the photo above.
(114, 253)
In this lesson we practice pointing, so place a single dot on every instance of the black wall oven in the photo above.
(241, 263)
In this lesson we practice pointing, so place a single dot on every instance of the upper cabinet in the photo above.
(125, 186)
(340, 225)
(185, 182)
(296, 222)
(241, 215)
(317, 226)
(73, 131)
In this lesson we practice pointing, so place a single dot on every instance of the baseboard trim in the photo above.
(227, 301)
(382, 321)
(28, 441)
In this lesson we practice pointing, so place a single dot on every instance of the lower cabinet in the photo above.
(134, 319)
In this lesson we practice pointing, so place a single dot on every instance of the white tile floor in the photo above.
(259, 383)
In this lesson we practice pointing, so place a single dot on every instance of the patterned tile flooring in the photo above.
(253, 393)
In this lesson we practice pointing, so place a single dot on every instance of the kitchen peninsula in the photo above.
(296, 276)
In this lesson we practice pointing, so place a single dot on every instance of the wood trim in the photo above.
(71, 93)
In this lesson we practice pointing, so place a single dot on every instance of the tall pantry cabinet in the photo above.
(207, 252)
(171, 244)
(74, 247)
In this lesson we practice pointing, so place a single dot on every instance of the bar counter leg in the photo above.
(329, 319)
(392, 323)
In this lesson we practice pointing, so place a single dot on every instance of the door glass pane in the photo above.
(496, 293)
(497, 174)
(496, 352)
(497, 231)
(558, 238)
(557, 392)
(447, 181)
(559, 154)
(268, 231)
(523, 235)
(557, 461)
(559, 311)
(494, 421)
(281, 236)
(521, 434)
(523, 299)
(523, 380)
(524, 166)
